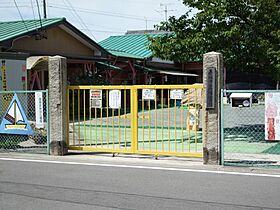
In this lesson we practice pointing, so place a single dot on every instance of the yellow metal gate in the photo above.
(143, 119)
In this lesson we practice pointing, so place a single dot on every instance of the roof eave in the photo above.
(6, 42)
(86, 38)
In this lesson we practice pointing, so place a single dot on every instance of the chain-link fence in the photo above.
(24, 121)
(249, 135)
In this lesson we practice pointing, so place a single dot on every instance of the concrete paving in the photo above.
(48, 185)
(139, 160)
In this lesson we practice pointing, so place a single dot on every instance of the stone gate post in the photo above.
(57, 105)
(213, 83)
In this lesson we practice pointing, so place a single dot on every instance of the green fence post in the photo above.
(47, 123)
(222, 129)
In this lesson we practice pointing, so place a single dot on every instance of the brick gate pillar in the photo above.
(57, 105)
(213, 83)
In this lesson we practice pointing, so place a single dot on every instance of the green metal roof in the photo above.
(13, 29)
(108, 66)
(161, 71)
(124, 54)
(132, 45)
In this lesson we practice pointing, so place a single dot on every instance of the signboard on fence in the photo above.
(39, 110)
(14, 120)
(95, 98)
(272, 117)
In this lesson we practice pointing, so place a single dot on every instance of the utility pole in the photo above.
(146, 20)
(166, 10)
(45, 9)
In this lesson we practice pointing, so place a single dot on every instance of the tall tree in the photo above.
(246, 32)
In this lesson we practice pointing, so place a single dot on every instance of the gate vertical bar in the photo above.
(125, 118)
(168, 117)
(134, 119)
(73, 116)
(156, 123)
(84, 107)
(79, 115)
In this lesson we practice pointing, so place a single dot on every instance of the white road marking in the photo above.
(142, 167)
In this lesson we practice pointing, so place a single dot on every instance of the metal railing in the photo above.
(143, 119)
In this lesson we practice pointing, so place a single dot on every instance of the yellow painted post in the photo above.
(125, 119)
(113, 126)
(101, 127)
(156, 120)
(134, 119)
(107, 119)
(143, 124)
(182, 129)
(79, 118)
(189, 127)
(73, 117)
(85, 136)
(162, 143)
(175, 124)
(168, 106)
(95, 118)
(196, 120)
(149, 122)
(90, 127)
(119, 129)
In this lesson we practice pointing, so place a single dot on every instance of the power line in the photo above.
(106, 13)
(71, 11)
(20, 15)
(8, 2)
(21, 4)
(35, 22)
(101, 26)
(39, 13)
(101, 31)
(32, 9)
(81, 20)
(109, 13)
(5, 7)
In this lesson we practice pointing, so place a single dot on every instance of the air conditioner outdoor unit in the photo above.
(241, 99)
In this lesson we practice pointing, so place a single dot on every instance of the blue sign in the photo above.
(14, 120)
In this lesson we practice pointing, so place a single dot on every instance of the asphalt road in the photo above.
(29, 185)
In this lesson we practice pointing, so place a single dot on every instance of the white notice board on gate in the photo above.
(272, 116)
(176, 94)
(115, 99)
(148, 94)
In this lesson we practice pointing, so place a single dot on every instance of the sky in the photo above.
(99, 19)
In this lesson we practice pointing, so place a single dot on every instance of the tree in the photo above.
(246, 32)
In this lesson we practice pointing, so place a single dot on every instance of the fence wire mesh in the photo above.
(19, 129)
(245, 131)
